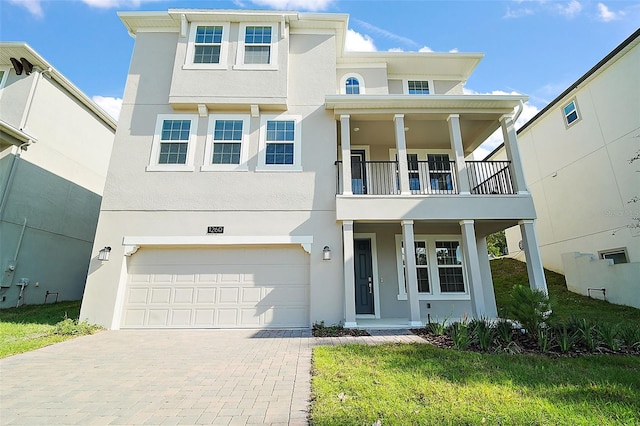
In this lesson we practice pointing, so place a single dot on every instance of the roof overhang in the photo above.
(13, 135)
(23, 50)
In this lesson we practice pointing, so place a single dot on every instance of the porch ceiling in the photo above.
(425, 116)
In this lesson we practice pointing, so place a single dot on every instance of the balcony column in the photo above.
(474, 274)
(401, 148)
(513, 154)
(410, 274)
(345, 145)
(349, 275)
(455, 136)
(535, 271)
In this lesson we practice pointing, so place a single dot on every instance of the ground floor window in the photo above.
(617, 255)
(439, 267)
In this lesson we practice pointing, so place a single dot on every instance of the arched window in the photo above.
(352, 86)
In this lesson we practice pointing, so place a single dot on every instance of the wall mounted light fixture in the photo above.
(326, 253)
(104, 253)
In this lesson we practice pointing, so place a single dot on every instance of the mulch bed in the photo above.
(522, 344)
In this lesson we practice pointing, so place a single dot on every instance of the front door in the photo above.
(364, 276)
(358, 172)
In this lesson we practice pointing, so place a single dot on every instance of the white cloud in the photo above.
(454, 50)
(517, 13)
(356, 42)
(384, 33)
(607, 15)
(571, 9)
(33, 6)
(425, 49)
(396, 49)
(313, 5)
(109, 104)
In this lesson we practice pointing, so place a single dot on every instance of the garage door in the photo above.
(231, 287)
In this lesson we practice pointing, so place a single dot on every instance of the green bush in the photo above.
(531, 308)
(71, 327)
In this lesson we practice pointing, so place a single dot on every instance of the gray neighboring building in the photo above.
(261, 176)
(55, 145)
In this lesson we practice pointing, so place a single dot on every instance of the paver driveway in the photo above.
(161, 377)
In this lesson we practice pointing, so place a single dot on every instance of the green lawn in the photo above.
(31, 327)
(420, 384)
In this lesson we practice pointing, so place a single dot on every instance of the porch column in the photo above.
(487, 280)
(401, 148)
(474, 276)
(410, 275)
(513, 154)
(349, 275)
(535, 271)
(345, 138)
(455, 136)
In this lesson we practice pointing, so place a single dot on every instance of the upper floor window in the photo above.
(172, 147)
(227, 143)
(258, 46)
(208, 45)
(352, 86)
(418, 87)
(571, 114)
(280, 143)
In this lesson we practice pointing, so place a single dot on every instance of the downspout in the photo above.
(518, 112)
(32, 93)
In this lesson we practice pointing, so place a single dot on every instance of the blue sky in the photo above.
(534, 47)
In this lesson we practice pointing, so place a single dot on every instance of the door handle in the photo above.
(370, 285)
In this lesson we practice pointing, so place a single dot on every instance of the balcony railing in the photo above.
(489, 177)
(426, 177)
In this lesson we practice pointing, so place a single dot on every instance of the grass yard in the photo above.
(508, 272)
(420, 384)
(31, 327)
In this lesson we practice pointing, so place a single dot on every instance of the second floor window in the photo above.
(257, 45)
(174, 141)
(208, 45)
(418, 87)
(280, 142)
(352, 86)
(227, 142)
(570, 113)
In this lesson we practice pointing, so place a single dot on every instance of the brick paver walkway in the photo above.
(169, 377)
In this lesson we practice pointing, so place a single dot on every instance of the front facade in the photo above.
(55, 145)
(578, 156)
(264, 177)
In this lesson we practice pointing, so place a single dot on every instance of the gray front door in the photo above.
(364, 276)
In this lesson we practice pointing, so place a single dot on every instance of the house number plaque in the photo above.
(215, 229)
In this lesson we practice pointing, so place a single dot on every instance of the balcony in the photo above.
(427, 178)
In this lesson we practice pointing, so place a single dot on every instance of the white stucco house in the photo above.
(263, 177)
(576, 154)
(55, 145)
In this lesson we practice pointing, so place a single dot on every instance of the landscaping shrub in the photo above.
(531, 308)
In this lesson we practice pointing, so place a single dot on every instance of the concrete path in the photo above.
(169, 377)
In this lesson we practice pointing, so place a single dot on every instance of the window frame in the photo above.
(297, 144)
(425, 175)
(154, 165)
(273, 54)
(5, 76)
(191, 45)
(343, 83)
(619, 250)
(405, 86)
(566, 116)
(435, 292)
(208, 165)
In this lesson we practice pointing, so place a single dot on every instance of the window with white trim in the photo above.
(352, 86)
(208, 46)
(439, 268)
(616, 255)
(257, 48)
(570, 112)
(227, 143)
(280, 143)
(173, 143)
(418, 87)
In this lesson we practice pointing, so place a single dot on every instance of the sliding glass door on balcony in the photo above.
(358, 172)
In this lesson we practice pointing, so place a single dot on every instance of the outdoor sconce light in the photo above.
(103, 255)
(326, 253)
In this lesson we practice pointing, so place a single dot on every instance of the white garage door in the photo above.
(231, 287)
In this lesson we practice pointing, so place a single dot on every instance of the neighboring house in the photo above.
(55, 145)
(576, 155)
(264, 177)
